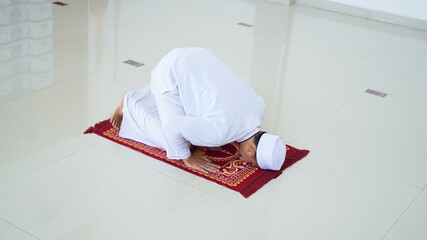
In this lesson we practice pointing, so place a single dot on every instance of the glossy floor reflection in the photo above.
(62, 70)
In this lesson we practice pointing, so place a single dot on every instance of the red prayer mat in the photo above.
(234, 174)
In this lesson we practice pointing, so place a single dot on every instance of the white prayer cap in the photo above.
(271, 152)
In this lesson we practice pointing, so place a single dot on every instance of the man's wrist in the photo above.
(179, 156)
(186, 159)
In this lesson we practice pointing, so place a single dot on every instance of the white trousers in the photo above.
(141, 121)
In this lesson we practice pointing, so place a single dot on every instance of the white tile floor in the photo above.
(61, 71)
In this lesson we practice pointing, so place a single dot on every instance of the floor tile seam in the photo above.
(180, 181)
(403, 213)
(384, 77)
(357, 96)
(110, 80)
(46, 125)
(351, 100)
(392, 74)
(320, 98)
(340, 106)
(19, 228)
(189, 185)
(368, 170)
(164, 174)
(3, 108)
(41, 89)
(70, 79)
(74, 76)
(26, 94)
(318, 123)
(180, 217)
(67, 53)
(343, 106)
(171, 177)
(50, 164)
(278, 219)
(422, 52)
(360, 95)
(418, 85)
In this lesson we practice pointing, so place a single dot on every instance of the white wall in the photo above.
(409, 13)
(416, 9)
(284, 2)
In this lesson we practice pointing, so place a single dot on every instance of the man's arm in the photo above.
(176, 146)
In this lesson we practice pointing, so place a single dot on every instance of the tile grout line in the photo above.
(422, 52)
(404, 65)
(320, 98)
(369, 170)
(9, 223)
(406, 209)
(47, 166)
(45, 124)
(296, 228)
(37, 121)
(185, 183)
(118, 83)
(341, 106)
(89, 144)
(40, 89)
(180, 217)
(170, 177)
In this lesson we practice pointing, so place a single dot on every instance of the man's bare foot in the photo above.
(117, 114)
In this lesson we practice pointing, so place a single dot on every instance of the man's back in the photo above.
(207, 89)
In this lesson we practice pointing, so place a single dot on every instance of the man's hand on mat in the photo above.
(201, 163)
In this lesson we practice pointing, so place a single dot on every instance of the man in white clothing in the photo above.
(195, 99)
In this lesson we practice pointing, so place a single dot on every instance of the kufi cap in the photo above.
(271, 152)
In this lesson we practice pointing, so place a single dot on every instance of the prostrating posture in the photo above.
(195, 99)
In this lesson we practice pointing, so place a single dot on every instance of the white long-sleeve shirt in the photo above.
(202, 102)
